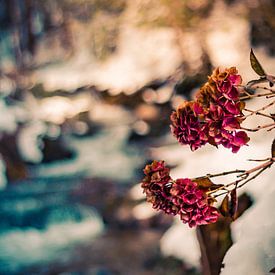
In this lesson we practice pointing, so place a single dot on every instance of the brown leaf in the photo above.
(215, 186)
(272, 270)
(224, 209)
(242, 105)
(206, 184)
(255, 64)
(233, 205)
(203, 182)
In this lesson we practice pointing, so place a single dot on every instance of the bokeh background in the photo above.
(86, 90)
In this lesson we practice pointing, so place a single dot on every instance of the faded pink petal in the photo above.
(232, 107)
(231, 124)
(235, 79)
(240, 138)
(232, 93)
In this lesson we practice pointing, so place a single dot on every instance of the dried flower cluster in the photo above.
(181, 197)
(215, 115)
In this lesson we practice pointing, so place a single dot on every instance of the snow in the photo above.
(19, 247)
(253, 236)
(136, 193)
(57, 109)
(29, 141)
(143, 211)
(187, 248)
(136, 62)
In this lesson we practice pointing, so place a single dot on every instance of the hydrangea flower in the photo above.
(156, 186)
(193, 203)
(215, 116)
(186, 126)
(182, 197)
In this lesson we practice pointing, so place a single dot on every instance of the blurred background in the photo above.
(86, 90)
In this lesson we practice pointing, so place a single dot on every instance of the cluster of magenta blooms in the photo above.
(181, 197)
(214, 117)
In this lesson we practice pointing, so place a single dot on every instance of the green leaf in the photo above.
(255, 64)
(224, 209)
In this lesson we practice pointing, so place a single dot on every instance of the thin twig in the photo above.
(224, 173)
(259, 159)
(253, 177)
(261, 109)
(243, 177)
(272, 125)
(254, 169)
(259, 113)
(257, 95)
(264, 88)
(271, 129)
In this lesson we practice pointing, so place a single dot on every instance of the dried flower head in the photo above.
(193, 203)
(187, 127)
(156, 186)
(182, 197)
(215, 116)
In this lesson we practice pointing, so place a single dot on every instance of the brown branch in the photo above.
(259, 113)
(244, 177)
(261, 109)
(264, 88)
(224, 173)
(272, 125)
(257, 95)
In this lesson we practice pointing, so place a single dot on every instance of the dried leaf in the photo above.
(224, 209)
(273, 148)
(233, 205)
(206, 184)
(203, 182)
(242, 105)
(272, 270)
(255, 64)
(215, 187)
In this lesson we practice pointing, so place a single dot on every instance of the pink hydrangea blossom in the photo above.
(187, 128)
(156, 186)
(182, 197)
(193, 204)
(215, 116)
